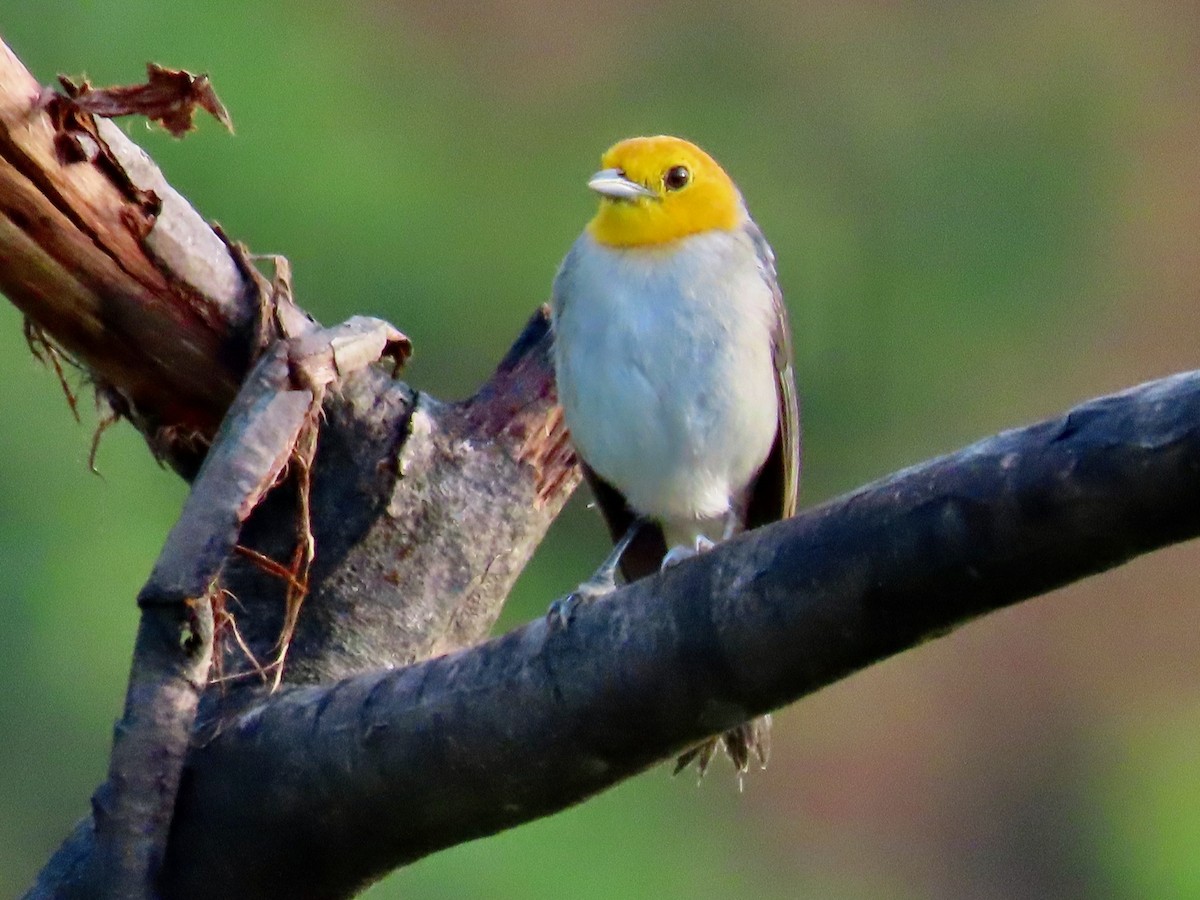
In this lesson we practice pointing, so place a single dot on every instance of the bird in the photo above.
(673, 362)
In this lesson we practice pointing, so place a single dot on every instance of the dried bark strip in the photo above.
(169, 97)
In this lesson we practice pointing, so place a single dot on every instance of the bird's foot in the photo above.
(563, 610)
(747, 743)
(676, 555)
(701, 754)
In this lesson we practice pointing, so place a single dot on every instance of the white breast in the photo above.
(665, 372)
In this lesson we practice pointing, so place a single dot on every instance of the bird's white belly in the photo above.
(667, 383)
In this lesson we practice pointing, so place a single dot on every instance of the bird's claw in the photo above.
(678, 554)
(562, 611)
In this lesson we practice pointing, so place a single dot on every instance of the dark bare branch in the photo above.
(335, 785)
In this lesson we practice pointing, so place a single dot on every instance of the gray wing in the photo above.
(774, 493)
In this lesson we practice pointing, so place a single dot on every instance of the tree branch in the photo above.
(335, 785)
(425, 512)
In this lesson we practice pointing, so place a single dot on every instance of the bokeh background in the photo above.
(983, 213)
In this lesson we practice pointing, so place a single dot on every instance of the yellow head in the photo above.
(657, 189)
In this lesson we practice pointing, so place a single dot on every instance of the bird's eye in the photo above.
(677, 177)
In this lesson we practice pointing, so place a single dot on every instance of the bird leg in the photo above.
(734, 524)
(602, 582)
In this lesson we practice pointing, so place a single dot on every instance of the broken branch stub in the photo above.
(117, 269)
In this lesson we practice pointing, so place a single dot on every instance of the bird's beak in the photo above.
(613, 183)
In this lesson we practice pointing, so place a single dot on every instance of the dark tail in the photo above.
(749, 741)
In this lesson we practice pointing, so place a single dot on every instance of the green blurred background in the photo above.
(983, 213)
